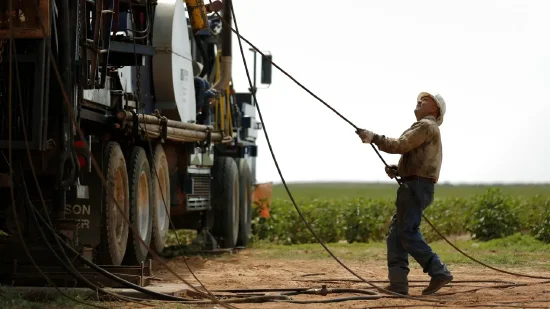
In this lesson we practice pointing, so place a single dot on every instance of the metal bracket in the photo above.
(135, 123)
(164, 128)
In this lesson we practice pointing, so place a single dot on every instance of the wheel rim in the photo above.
(235, 208)
(120, 199)
(246, 203)
(143, 205)
(161, 198)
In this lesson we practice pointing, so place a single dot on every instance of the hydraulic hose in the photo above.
(68, 162)
(399, 181)
(158, 180)
(308, 225)
(9, 160)
(324, 291)
(111, 276)
(338, 300)
(70, 268)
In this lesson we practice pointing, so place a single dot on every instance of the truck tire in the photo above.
(141, 210)
(225, 201)
(161, 198)
(114, 229)
(245, 202)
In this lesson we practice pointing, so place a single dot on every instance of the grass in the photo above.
(13, 300)
(513, 251)
(516, 251)
(308, 191)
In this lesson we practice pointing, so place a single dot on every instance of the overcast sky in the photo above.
(369, 59)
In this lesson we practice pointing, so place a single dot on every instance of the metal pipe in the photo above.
(150, 119)
(181, 135)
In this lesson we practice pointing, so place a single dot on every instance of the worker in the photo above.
(205, 96)
(419, 166)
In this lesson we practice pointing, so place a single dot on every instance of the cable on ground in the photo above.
(68, 266)
(104, 182)
(282, 177)
(153, 162)
(10, 160)
(32, 209)
(373, 147)
(95, 165)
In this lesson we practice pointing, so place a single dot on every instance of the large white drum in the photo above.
(173, 63)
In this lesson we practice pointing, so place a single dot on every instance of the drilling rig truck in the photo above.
(144, 88)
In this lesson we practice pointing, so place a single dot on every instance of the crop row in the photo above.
(487, 216)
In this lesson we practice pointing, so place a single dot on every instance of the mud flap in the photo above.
(84, 202)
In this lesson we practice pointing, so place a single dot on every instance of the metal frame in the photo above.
(32, 33)
(38, 123)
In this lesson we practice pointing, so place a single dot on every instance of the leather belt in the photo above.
(414, 177)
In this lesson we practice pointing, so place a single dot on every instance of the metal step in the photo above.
(12, 274)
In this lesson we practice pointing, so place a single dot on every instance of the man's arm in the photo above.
(412, 138)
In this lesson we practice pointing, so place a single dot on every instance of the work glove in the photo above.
(365, 135)
(391, 170)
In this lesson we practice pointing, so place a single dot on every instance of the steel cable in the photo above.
(10, 160)
(270, 147)
(153, 161)
(69, 266)
(66, 101)
(399, 181)
(285, 184)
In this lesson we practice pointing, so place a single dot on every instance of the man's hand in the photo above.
(391, 170)
(365, 135)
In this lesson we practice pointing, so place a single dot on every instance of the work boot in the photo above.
(436, 283)
(403, 290)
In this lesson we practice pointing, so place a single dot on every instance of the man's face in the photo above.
(425, 106)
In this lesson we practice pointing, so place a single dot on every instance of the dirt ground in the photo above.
(249, 269)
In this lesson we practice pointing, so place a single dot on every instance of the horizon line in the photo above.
(444, 183)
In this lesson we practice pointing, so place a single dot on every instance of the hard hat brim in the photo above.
(441, 112)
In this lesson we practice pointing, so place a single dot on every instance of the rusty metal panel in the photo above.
(27, 18)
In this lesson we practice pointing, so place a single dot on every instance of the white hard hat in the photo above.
(440, 103)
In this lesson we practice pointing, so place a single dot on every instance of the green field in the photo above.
(361, 212)
(307, 191)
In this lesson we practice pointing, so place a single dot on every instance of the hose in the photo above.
(337, 300)
(111, 276)
(324, 291)
(9, 160)
(236, 30)
(32, 208)
(70, 268)
(208, 293)
(399, 181)
(334, 280)
(68, 161)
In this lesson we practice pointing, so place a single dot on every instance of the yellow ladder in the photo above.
(224, 118)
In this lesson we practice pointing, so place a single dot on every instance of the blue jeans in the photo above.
(404, 236)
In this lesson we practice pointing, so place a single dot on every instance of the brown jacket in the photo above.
(420, 147)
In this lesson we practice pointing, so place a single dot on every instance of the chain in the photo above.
(2, 50)
(138, 88)
(138, 69)
(79, 29)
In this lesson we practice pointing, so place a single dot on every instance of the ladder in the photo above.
(100, 42)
